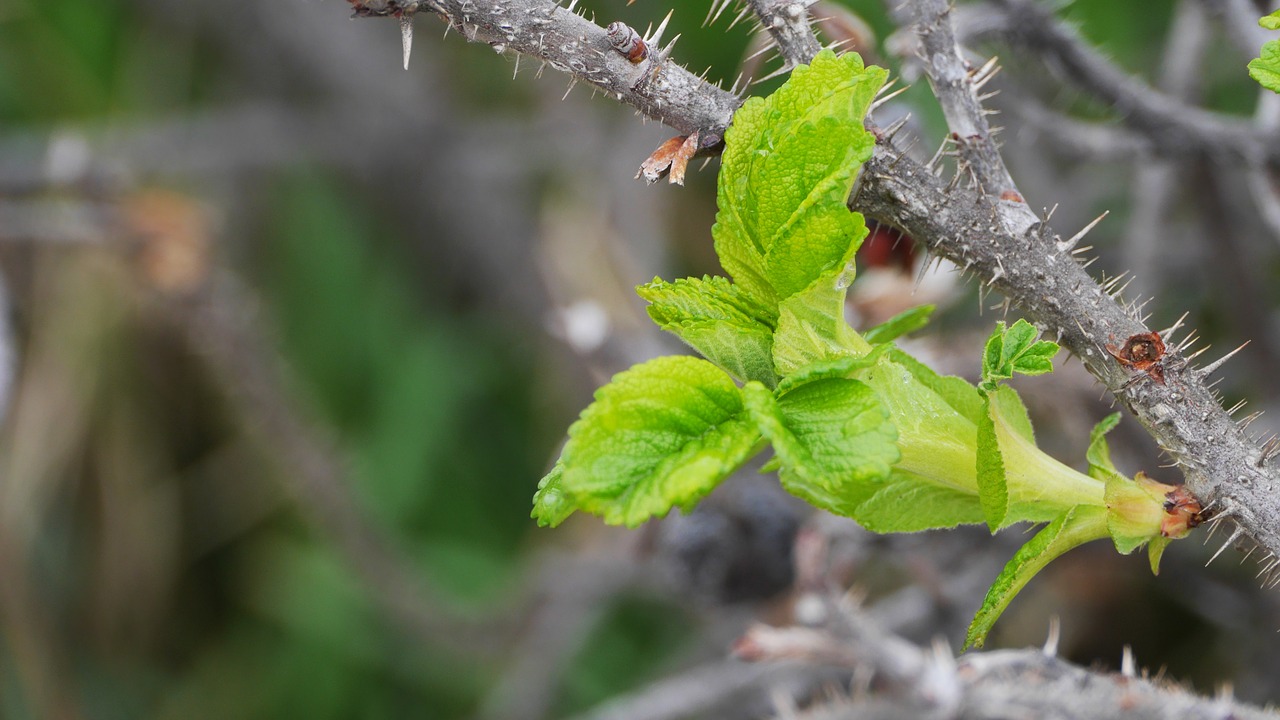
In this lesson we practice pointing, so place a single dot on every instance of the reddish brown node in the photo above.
(627, 41)
(1184, 510)
(1012, 196)
(1144, 353)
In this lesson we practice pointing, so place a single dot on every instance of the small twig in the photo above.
(788, 23)
(953, 83)
(1173, 126)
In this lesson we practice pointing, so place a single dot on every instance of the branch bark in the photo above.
(999, 240)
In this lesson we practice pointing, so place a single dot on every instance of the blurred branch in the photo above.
(1157, 181)
(896, 679)
(1173, 126)
(219, 319)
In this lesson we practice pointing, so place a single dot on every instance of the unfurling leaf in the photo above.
(832, 437)
(1015, 350)
(1074, 527)
(719, 320)
(660, 435)
(904, 323)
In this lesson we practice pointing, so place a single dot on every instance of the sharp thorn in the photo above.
(406, 37)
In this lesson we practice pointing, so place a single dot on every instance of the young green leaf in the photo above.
(723, 323)
(840, 367)
(1265, 69)
(1074, 527)
(1015, 350)
(1099, 454)
(550, 505)
(993, 492)
(786, 173)
(961, 396)
(660, 435)
(832, 436)
(905, 322)
(812, 328)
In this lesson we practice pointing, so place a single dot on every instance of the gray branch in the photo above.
(956, 86)
(1175, 127)
(788, 24)
(1000, 241)
(914, 682)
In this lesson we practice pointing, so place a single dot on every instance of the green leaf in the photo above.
(550, 505)
(993, 492)
(1099, 453)
(660, 435)
(719, 320)
(786, 172)
(907, 502)
(905, 322)
(1265, 68)
(1074, 527)
(955, 391)
(832, 437)
(841, 367)
(1270, 22)
(1015, 350)
(812, 328)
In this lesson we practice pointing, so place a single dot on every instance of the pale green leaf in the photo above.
(906, 502)
(812, 328)
(1074, 527)
(905, 322)
(660, 435)
(1099, 453)
(1270, 22)
(719, 320)
(957, 392)
(832, 437)
(993, 493)
(840, 367)
(550, 505)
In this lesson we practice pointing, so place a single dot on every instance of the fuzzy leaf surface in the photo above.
(786, 173)
(1265, 68)
(1016, 350)
(832, 437)
(1074, 527)
(550, 504)
(660, 435)
(719, 320)
(904, 323)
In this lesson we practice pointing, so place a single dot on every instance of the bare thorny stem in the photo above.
(983, 225)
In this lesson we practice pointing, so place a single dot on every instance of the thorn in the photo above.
(1066, 245)
(717, 9)
(889, 132)
(1128, 666)
(742, 14)
(886, 98)
(984, 74)
(572, 84)
(517, 70)
(1168, 334)
(1230, 541)
(1248, 419)
(406, 37)
(656, 38)
(1207, 370)
(1050, 648)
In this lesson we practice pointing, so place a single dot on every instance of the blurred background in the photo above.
(289, 335)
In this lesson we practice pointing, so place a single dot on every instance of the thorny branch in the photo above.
(1000, 240)
(912, 682)
(1173, 126)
